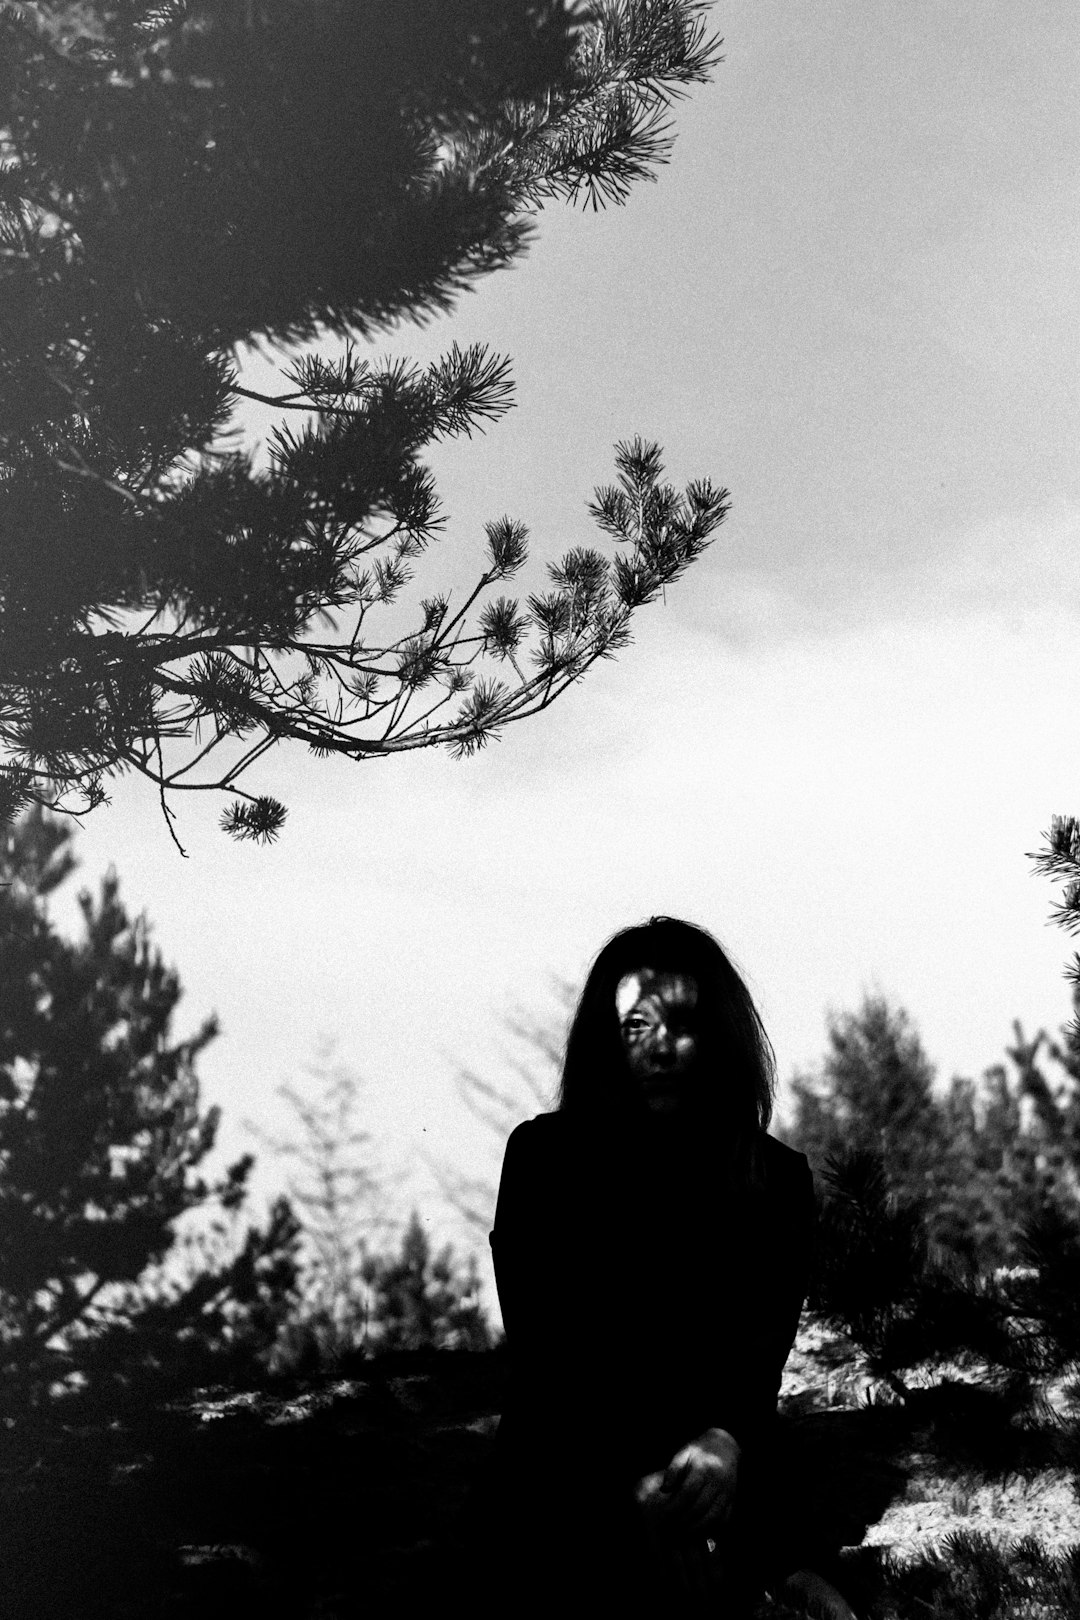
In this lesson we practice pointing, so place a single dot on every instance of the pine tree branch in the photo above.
(151, 554)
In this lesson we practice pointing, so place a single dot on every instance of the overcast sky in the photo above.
(851, 297)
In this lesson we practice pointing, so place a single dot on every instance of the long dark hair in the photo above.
(736, 1061)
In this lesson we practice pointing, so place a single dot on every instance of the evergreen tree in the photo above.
(338, 1188)
(978, 1161)
(1009, 1149)
(1055, 1104)
(101, 1142)
(873, 1093)
(421, 1300)
(183, 178)
(1059, 858)
(951, 1258)
(882, 1281)
(984, 1180)
(355, 1295)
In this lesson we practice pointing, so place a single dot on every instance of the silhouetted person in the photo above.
(652, 1249)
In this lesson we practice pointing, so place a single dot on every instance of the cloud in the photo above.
(1016, 568)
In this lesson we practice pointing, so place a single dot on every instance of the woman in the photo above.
(652, 1247)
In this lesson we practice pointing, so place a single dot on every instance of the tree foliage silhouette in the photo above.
(1059, 858)
(421, 1299)
(979, 1159)
(101, 1142)
(358, 1292)
(184, 178)
(948, 1252)
(873, 1092)
(338, 1188)
(881, 1282)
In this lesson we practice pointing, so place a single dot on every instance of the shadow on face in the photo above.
(657, 1014)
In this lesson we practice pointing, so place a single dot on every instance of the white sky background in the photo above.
(852, 298)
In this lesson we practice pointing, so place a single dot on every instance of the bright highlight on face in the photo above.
(659, 1033)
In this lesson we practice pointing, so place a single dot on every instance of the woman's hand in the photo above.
(695, 1493)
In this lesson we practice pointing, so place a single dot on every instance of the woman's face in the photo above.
(657, 1021)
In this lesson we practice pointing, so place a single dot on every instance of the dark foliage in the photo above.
(101, 1143)
(1059, 859)
(385, 1301)
(963, 1361)
(949, 1254)
(179, 179)
(314, 1500)
(978, 1160)
(1046, 1293)
(880, 1281)
(298, 1500)
(422, 1300)
(874, 1091)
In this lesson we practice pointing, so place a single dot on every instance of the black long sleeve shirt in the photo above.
(644, 1299)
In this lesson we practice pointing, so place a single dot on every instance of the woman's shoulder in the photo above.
(544, 1133)
(551, 1144)
(549, 1138)
(785, 1160)
(542, 1155)
(541, 1124)
(786, 1169)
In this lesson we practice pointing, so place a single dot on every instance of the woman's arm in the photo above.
(696, 1491)
(775, 1291)
(517, 1245)
(536, 1249)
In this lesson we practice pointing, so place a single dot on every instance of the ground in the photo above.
(317, 1500)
